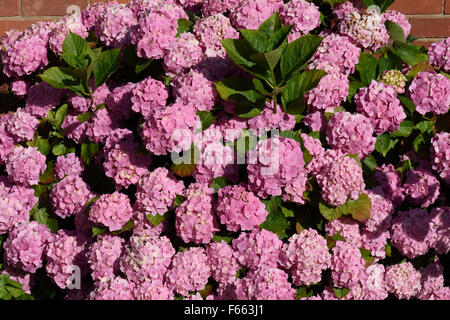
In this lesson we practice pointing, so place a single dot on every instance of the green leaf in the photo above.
(278, 38)
(43, 146)
(384, 64)
(63, 78)
(384, 144)
(329, 212)
(259, 86)
(206, 118)
(384, 4)
(292, 97)
(238, 89)
(298, 53)
(287, 212)
(218, 183)
(142, 66)
(59, 149)
(303, 292)
(271, 25)
(370, 162)
(367, 67)
(48, 176)
(272, 204)
(179, 199)
(96, 231)
(359, 209)
(84, 117)
(406, 127)
(366, 255)
(156, 219)
(395, 31)
(4, 294)
(408, 103)
(183, 169)
(425, 126)
(184, 25)
(52, 225)
(417, 142)
(354, 86)
(273, 57)
(107, 63)
(218, 238)
(60, 115)
(88, 150)
(341, 292)
(410, 54)
(257, 39)
(75, 51)
(388, 249)
(276, 222)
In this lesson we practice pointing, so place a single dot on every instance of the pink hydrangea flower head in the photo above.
(340, 180)
(345, 227)
(277, 165)
(341, 10)
(440, 155)
(149, 97)
(222, 261)
(421, 187)
(25, 165)
(432, 278)
(103, 256)
(22, 125)
(111, 210)
(156, 29)
(372, 285)
(195, 89)
(90, 15)
(411, 232)
(391, 183)
(15, 204)
(213, 7)
(329, 93)
(316, 121)
(347, 265)
(146, 257)
(440, 224)
(189, 271)
(101, 125)
(172, 130)
(74, 129)
(119, 100)
(64, 252)
(61, 28)
(400, 19)
(250, 14)
(25, 246)
(24, 54)
(439, 54)
(430, 92)
(69, 196)
(380, 213)
(19, 87)
(7, 142)
(366, 29)
(114, 25)
(257, 248)
(313, 145)
(303, 15)
(195, 220)
(68, 165)
(264, 283)
(351, 133)
(210, 30)
(41, 98)
(269, 120)
(113, 289)
(153, 290)
(403, 280)
(336, 54)
(305, 256)
(157, 191)
(380, 104)
(375, 242)
(240, 209)
(182, 54)
(24, 278)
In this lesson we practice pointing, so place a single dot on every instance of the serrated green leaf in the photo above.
(84, 117)
(276, 222)
(271, 25)
(408, 103)
(88, 150)
(59, 150)
(410, 54)
(156, 219)
(219, 183)
(63, 78)
(107, 63)
(359, 209)
(43, 146)
(367, 256)
(288, 213)
(184, 25)
(218, 238)
(239, 90)
(425, 126)
(273, 203)
(206, 118)
(303, 292)
(292, 97)
(384, 144)
(179, 199)
(341, 292)
(257, 39)
(278, 38)
(367, 67)
(329, 212)
(354, 86)
(406, 127)
(142, 66)
(298, 53)
(60, 115)
(97, 231)
(395, 31)
(370, 162)
(418, 141)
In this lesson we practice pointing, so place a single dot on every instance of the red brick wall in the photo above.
(430, 18)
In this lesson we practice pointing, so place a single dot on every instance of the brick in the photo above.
(6, 25)
(430, 27)
(426, 42)
(418, 7)
(121, 1)
(50, 7)
(447, 6)
(9, 8)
